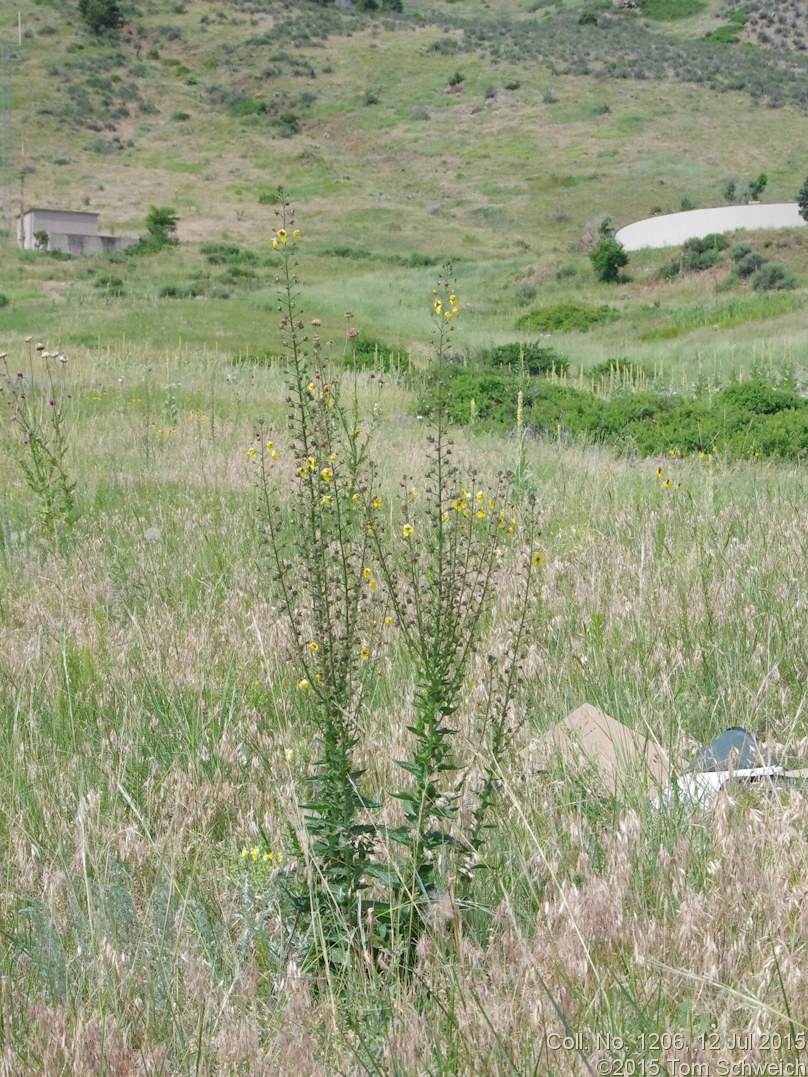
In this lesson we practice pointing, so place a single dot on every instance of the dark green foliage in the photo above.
(802, 201)
(519, 358)
(565, 318)
(248, 106)
(607, 259)
(161, 228)
(772, 277)
(758, 186)
(749, 263)
(773, 421)
(4, 300)
(176, 291)
(101, 15)
(369, 353)
(715, 241)
(288, 125)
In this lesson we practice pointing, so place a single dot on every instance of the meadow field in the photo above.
(275, 672)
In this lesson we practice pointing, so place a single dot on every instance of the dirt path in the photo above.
(672, 229)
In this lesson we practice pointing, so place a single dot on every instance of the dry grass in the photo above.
(150, 732)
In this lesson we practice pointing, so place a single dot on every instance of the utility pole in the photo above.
(8, 55)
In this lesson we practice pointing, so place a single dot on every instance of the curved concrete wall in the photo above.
(672, 229)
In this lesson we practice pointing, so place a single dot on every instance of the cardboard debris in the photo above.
(589, 739)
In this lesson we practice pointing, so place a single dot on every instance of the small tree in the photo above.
(758, 186)
(161, 226)
(802, 201)
(608, 258)
(101, 15)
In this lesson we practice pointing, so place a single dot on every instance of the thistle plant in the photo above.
(38, 420)
(440, 559)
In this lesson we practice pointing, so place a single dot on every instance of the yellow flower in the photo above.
(311, 463)
(453, 299)
(303, 684)
(373, 585)
(481, 514)
(302, 472)
(365, 654)
(446, 516)
(325, 500)
(492, 504)
(367, 573)
(267, 856)
(455, 311)
(314, 646)
(497, 552)
(269, 445)
(251, 452)
(274, 454)
(408, 530)
(245, 853)
(447, 314)
(326, 474)
(438, 306)
(376, 502)
(388, 620)
(659, 472)
(254, 852)
(480, 496)
(667, 483)
(296, 233)
(538, 559)
(333, 457)
(414, 492)
(275, 244)
(282, 235)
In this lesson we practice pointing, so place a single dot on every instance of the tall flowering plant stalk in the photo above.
(321, 567)
(37, 417)
(439, 556)
(442, 561)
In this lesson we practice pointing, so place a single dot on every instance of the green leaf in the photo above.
(387, 875)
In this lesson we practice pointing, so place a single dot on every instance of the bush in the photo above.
(607, 259)
(533, 358)
(4, 300)
(161, 226)
(101, 15)
(715, 241)
(802, 201)
(772, 277)
(565, 318)
(749, 263)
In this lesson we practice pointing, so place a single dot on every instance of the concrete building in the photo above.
(67, 231)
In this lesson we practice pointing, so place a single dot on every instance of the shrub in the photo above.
(715, 241)
(101, 15)
(749, 263)
(802, 201)
(772, 277)
(161, 226)
(565, 318)
(531, 358)
(607, 259)
(4, 300)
